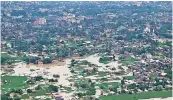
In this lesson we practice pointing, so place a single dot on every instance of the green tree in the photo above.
(26, 59)
(159, 88)
(122, 83)
(19, 91)
(38, 87)
(53, 88)
(38, 78)
(47, 61)
(5, 97)
(29, 91)
(91, 91)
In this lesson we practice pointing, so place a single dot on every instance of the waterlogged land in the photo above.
(74, 76)
(67, 78)
(22, 75)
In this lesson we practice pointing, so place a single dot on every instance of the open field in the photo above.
(14, 82)
(168, 98)
(145, 95)
(128, 61)
(129, 77)
(106, 85)
(36, 93)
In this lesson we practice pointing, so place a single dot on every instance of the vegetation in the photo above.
(105, 60)
(128, 61)
(169, 74)
(13, 82)
(53, 88)
(69, 89)
(129, 77)
(47, 61)
(6, 59)
(29, 91)
(35, 93)
(145, 95)
(105, 86)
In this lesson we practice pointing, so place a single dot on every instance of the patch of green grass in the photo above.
(163, 45)
(39, 92)
(85, 62)
(144, 95)
(32, 70)
(53, 47)
(129, 77)
(14, 82)
(91, 74)
(105, 85)
(105, 60)
(78, 68)
(69, 89)
(25, 96)
(128, 61)
(5, 54)
(83, 81)
(102, 74)
(159, 56)
(34, 94)
(6, 58)
(8, 55)
(81, 64)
